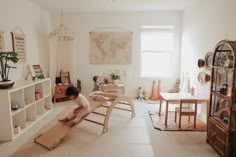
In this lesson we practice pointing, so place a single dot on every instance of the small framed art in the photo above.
(38, 71)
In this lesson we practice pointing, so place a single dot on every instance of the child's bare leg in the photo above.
(77, 110)
(67, 118)
(64, 120)
(81, 113)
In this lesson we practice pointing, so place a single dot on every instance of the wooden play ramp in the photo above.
(52, 137)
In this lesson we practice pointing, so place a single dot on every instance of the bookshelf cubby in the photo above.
(31, 108)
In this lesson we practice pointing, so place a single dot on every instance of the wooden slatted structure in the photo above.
(52, 137)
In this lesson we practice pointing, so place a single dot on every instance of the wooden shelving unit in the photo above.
(30, 110)
(221, 129)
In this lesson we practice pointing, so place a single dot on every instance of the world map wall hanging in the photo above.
(111, 48)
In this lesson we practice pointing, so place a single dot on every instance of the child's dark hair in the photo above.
(72, 91)
(95, 78)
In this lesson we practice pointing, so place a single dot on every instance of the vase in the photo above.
(115, 81)
(6, 84)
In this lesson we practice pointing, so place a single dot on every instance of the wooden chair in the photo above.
(186, 111)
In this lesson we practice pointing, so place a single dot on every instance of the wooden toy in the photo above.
(52, 137)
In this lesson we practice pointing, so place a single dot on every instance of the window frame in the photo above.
(157, 30)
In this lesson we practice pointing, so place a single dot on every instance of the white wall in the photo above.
(83, 23)
(204, 25)
(35, 23)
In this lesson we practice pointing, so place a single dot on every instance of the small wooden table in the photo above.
(174, 98)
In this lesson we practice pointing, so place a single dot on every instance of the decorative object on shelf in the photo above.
(192, 91)
(6, 57)
(221, 104)
(14, 106)
(19, 46)
(17, 129)
(2, 44)
(201, 63)
(221, 58)
(229, 62)
(224, 89)
(208, 60)
(115, 81)
(37, 95)
(38, 71)
(203, 77)
(115, 76)
(224, 115)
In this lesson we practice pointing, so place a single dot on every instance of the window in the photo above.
(156, 50)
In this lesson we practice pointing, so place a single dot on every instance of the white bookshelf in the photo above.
(30, 110)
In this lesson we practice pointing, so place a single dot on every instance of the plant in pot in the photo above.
(5, 59)
(115, 78)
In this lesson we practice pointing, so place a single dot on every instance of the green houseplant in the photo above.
(5, 58)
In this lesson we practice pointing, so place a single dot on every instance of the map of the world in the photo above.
(111, 48)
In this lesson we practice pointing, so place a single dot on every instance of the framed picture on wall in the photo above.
(19, 44)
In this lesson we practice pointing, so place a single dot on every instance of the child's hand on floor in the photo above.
(64, 120)
(70, 123)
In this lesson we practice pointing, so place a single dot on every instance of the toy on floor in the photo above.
(145, 94)
(175, 89)
(140, 94)
(159, 90)
(154, 91)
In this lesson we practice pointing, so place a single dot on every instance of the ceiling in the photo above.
(56, 6)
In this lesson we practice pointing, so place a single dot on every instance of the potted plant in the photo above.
(5, 58)
(115, 78)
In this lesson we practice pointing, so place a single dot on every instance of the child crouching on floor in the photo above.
(79, 112)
